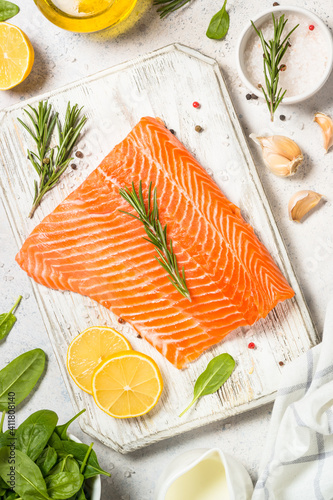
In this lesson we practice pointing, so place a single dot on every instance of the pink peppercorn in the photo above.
(311, 27)
(251, 345)
(196, 104)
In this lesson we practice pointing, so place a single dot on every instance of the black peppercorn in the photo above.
(248, 96)
(282, 118)
(74, 167)
(121, 321)
(253, 96)
(198, 128)
(79, 154)
(172, 131)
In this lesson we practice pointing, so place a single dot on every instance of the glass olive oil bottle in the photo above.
(85, 15)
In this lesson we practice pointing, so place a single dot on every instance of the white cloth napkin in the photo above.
(297, 462)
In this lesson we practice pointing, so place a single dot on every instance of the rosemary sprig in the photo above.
(274, 50)
(51, 162)
(167, 6)
(157, 234)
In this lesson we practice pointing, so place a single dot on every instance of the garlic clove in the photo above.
(301, 203)
(326, 124)
(280, 154)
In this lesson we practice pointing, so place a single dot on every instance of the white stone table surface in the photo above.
(63, 57)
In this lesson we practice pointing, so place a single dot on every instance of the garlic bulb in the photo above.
(301, 203)
(280, 154)
(326, 124)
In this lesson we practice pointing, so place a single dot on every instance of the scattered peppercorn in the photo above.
(139, 336)
(311, 27)
(251, 345)
(259, 86)
(46, 161)
(253, 96)
(79, 154)
(121, 321)
(248, 96)
(196, 104)
(73, 165)
(282, 118)
(172, 131)
(281, 363)
(283, 67)
(275, 4)
(197, 128)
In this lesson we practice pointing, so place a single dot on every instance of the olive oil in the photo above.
(85, 15)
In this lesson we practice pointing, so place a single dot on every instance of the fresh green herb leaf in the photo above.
(29, 482)
(21, 376)
(61, 430)
(63, 485)
(33, 434)
(168, 6)
(46, 460)
(7, 10)
(51, 163)
(7, 320)
(217, 372)
(219, 24)
(157, 234)
(79, 452)
(67, 464)
(273, 52)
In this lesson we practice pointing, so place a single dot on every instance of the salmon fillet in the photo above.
(86, 245)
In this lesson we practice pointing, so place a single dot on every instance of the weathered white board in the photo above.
(163, 83)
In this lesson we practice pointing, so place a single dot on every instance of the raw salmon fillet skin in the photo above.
(86, 245)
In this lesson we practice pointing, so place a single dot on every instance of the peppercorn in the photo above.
(282, 118)
(121, 321)
(251, 345)
(281, 363)
(139, 336)
(248, 96)
(275, 4)
(197, 128)
(283, 67)
(73, 165)
(196, 104)
(79, 154)
(253, 96)
(311, 27)
(172, 131)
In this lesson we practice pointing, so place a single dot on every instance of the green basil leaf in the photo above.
(79, 452)
(21, 376)
(7, 320)
(29, 482)
(217, 372)
(46, 460)
(63, 485)
(33, 434)
(7, 10)
(219, 24)
(61, 430)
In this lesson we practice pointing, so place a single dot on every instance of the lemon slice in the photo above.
(16, 56)
(127, 384)
(87, 351)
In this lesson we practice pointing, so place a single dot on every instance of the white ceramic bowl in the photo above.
(247, 31)
(94, 483)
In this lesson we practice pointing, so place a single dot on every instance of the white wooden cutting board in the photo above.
(163, 83)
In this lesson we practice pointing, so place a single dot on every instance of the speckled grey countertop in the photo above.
(62, 57)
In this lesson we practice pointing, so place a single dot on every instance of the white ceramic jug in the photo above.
(204, 474)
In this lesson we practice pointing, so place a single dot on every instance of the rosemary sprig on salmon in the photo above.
(51, 162)
(157, 234)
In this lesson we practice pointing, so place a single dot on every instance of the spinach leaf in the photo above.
(3, 486)
(79, 452)
(7, 10)
(29, 482)
(5, 438)
(217, 372)
(7, 320)
(21, 376)
(61, 430)
(33, 434)
(219, 24)
(11, 495)
(67, 464)
(46, 460)
(63, 485)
